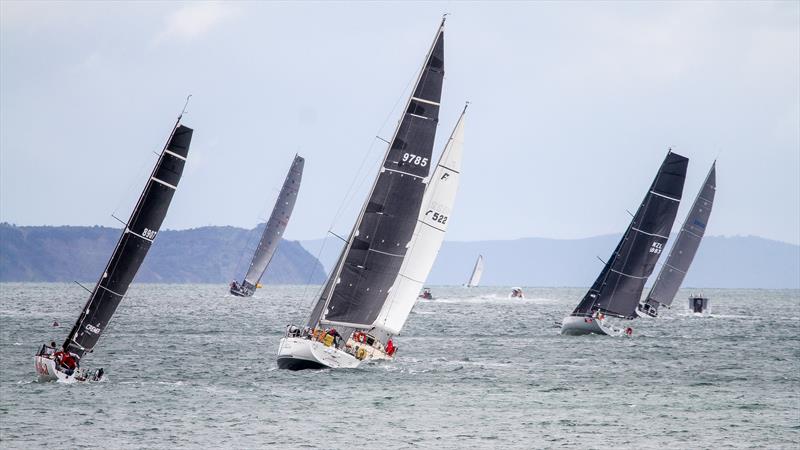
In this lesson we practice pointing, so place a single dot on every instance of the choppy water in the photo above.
(189, 366)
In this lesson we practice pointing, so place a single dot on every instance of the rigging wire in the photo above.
(359, 179)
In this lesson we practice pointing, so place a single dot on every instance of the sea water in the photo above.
(191, 366)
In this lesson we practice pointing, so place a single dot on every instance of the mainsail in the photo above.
(378, 243)
(477, 272)
(619, 287)
(275, 227)
(434, 216)
(680, 257)
(133, 244)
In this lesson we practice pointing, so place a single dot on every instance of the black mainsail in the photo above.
(273, 231)
(136, 239)
(682, 253)
(618, 289)
(371, 260)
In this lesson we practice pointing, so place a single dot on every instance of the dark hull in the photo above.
(239, 293)
(299, 364)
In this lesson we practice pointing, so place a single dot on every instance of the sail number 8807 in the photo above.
(415, 159)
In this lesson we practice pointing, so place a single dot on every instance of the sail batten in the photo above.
(618, 288)
(378, 243)
(688, 241)
(134, 242)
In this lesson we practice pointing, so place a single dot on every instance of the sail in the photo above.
(477, 272)
(619, 287)
(276, 224)
(140, 231)
(379, 240)
(680, 257)
(434, 216)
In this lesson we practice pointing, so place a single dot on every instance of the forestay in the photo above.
(680, 257)
(619, 287)
(139, 233)
(276, 225)
(437, 205)
(477, 272)
(381, 235)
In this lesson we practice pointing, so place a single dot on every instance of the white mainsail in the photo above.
(476, 273)
(434, 216)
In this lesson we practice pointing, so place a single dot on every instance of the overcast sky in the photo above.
(573, 108)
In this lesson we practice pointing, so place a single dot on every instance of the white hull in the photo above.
(46, 370)
(297, 353)
(578, 326)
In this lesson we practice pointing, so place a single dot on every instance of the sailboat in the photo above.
(273, 231)
(618, 288)
(680, 257)
(341, 331)
(477, 272)
(138, 235)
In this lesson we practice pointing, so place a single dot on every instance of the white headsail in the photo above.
(476, 273)
(437, 204)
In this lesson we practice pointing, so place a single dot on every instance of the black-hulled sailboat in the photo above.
(273, 231)
(682, 253)
(339, 332)
(132, 247)
(618, 289)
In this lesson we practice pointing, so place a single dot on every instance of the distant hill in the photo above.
(199, 255)
(724, 262)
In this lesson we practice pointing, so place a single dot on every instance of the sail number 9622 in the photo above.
(415, 159)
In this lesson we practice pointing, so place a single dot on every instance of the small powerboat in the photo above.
(517, 293)
(426, 294)
(699, 304)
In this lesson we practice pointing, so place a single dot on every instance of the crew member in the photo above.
(336, 337)
(390, 349)
(66, 361)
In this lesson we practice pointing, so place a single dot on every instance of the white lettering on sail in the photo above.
(92, 329)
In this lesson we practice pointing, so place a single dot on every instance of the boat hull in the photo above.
(579, 326)
(47, 371)
(297, 353)
(699, 305)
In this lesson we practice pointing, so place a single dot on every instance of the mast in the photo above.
(134, 242)
(369, 264)
(276, 225)
(682, 253)
(477, 272)
(618, 288)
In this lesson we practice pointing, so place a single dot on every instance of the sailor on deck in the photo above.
(66, 360)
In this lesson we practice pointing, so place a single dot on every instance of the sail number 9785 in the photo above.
(415, 159)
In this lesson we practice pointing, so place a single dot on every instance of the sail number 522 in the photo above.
(415, 159)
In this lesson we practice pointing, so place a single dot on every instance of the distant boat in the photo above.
(618, 288)
(426, 294)
(516, 292)
(273, 231)
(680, 257)
(699, 304)
(137, 237)
(477, 272)
(340, 331)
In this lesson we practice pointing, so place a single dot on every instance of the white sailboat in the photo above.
(351, 321)
(477, 272)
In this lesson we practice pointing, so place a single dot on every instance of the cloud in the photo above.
(196, 19)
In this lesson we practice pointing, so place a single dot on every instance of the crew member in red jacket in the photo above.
(66, 361)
